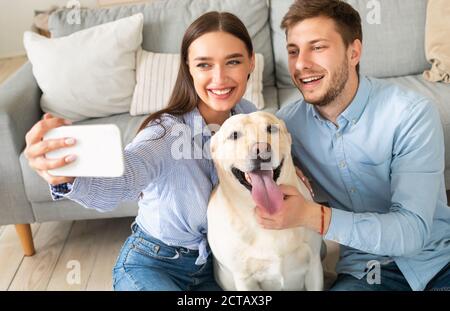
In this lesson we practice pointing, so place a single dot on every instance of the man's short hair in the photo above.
(346, 18)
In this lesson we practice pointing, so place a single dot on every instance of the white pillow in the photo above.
(156, 74)
(90, 73)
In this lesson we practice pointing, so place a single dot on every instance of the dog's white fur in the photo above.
(247, 256)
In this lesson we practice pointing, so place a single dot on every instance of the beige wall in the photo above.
(16, 16)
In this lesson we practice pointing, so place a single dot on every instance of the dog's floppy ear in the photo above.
(285, 130)
(214, 128)
(288, 135)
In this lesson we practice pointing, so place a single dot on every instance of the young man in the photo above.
(375, 150)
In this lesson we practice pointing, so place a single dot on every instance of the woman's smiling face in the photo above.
(219, 64)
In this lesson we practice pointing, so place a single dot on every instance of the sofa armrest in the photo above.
(19, 110)
(19, 106)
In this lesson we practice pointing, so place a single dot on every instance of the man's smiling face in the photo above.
(319, 62)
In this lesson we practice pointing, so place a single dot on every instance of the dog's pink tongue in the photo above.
(265, 191)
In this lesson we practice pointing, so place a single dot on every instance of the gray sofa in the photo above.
(393, 50)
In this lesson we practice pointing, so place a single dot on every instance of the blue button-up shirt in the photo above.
(171, 176)
(381, 170)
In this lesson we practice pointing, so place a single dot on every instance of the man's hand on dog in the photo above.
(295, 211)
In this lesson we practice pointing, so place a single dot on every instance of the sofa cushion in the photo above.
(270, 94)
(156, 75)
(392, 47)
(288, 95)
(69, 210)
(437, 44)
(37, 189)
(166, 20)
(88, 74)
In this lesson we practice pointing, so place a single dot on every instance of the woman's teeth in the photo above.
(221, 92)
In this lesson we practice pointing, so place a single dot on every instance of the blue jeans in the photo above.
(147, 264)
(391, 279)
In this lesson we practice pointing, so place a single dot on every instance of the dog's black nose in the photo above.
(261, 152)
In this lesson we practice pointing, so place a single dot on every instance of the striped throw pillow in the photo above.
(156, 74)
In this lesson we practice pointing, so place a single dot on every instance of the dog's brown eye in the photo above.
(235, 135)
(271, 128)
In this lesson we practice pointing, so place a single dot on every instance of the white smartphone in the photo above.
(98, 149)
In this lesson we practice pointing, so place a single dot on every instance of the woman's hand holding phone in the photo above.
(36, 148)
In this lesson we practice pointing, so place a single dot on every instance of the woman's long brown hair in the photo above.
(184, 98)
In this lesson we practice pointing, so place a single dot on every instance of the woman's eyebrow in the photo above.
(234, 55)
(204, 58)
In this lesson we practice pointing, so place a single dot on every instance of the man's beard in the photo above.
(338, 81)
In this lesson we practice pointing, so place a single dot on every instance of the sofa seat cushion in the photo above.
(437, 91)
(288, 95)
(37, 189)
(270, 94)
(440, 94)
(68, 210)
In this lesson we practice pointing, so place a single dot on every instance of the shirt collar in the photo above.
(354, 111)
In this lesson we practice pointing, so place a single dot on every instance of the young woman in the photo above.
(168, 247)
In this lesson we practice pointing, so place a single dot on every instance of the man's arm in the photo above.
(416, 177)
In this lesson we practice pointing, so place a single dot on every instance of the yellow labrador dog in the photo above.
(252, 155)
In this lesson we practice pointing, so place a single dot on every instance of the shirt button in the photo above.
(352, 190)
(342, 164)
(338, 134)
